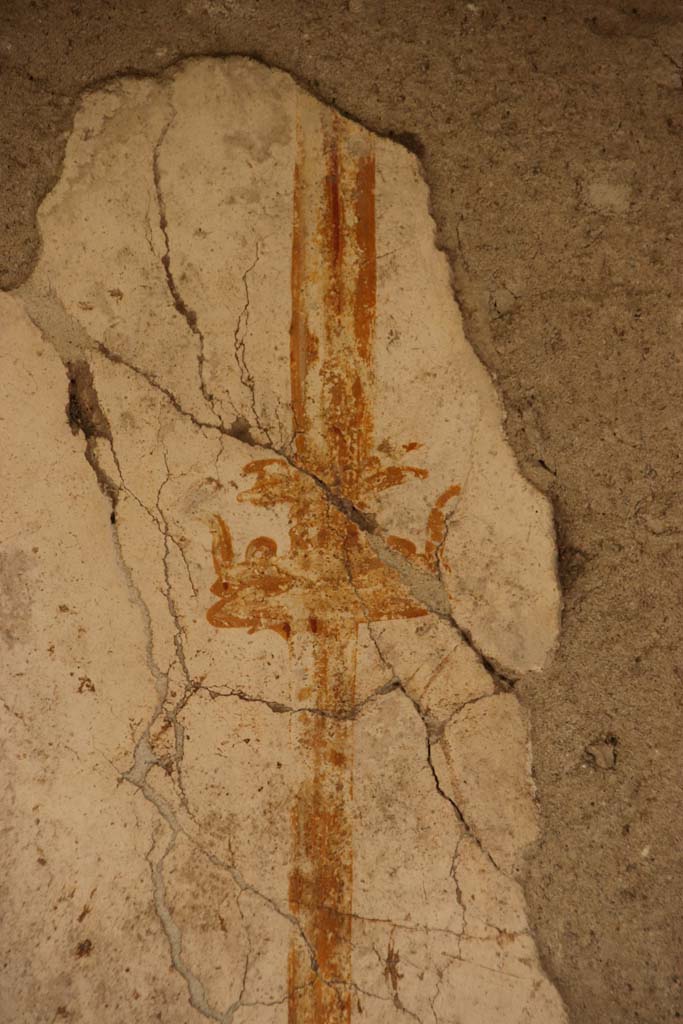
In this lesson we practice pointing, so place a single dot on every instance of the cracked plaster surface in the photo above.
(308, 800)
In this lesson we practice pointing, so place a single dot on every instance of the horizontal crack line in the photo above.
(349, 715)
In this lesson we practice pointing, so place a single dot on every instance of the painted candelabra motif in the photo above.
(330, 580)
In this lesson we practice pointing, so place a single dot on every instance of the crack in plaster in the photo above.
(239, 336)
(188, 314)
(137, 776)
(285, 709)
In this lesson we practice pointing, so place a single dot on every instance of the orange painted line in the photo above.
(316, 594)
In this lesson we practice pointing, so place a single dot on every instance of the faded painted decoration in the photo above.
(290, 541)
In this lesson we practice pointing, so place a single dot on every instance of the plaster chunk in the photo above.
(256, 577)
(485, 751)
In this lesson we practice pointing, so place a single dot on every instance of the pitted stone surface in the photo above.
(265, 767)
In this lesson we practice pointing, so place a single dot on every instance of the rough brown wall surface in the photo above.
(551, 137)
